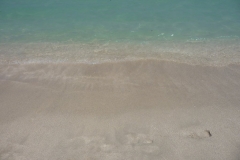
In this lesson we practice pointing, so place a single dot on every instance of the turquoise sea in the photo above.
(117, 22)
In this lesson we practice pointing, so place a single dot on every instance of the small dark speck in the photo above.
(209, 133)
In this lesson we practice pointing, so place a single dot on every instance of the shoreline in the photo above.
(212, 53)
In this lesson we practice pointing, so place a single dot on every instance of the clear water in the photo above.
(118, 20)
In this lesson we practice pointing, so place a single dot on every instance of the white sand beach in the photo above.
(141, 110)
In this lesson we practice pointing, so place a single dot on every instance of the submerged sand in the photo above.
(135, 109)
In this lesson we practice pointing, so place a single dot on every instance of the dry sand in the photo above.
(140, 110)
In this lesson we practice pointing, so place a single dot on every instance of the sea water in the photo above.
(120, 28)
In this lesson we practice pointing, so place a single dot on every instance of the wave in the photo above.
(217, 53)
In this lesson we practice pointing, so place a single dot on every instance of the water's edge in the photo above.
(217, 53)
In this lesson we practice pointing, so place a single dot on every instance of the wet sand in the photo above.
(133, 109)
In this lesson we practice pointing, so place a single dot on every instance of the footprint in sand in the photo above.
(142, 143)
(138, 139)
(200, 134)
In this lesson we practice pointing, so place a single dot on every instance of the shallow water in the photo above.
(95, 31)
(114, 20)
